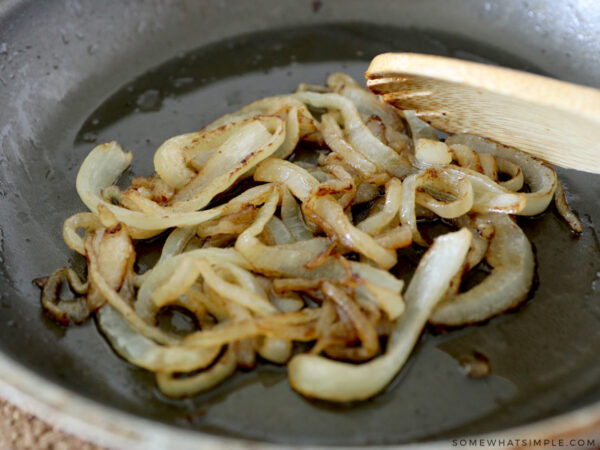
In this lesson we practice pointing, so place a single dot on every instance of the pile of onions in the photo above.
(290, 259)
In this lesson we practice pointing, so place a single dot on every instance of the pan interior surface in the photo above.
(543, 356)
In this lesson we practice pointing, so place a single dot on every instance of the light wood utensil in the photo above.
(553, 120)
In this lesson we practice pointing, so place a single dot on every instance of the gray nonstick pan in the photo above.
(74, 73)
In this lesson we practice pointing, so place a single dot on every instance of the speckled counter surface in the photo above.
(22, 431)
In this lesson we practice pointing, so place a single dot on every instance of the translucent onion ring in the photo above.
(513, 264)
(541, 179)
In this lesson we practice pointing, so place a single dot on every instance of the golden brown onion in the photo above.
(308, 200)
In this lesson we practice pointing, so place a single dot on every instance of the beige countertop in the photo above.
(22, 431)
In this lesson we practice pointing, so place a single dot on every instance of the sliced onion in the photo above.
(275, 350)
(170, 160)
(560, 200)
(134, 200)
(454, 186)
(252, 142)
(295, 239)
(364, 329)
(365, 192)
(339, 182)
(186, 270)
(513, 264)
(244, 278)
(381, 123)
(489, 166)
(431, 153)
(466, 157)
(390, 301)
(176, 242)
(88, 221)
(101, 168)
(143, 352)
(489, 196)
(174, 386)
(333, 136)
(299, 121)
(121, 304)
(329, 214)
(280, 260)
(297, 179)
(481, 232)
(358, 134)
(407, 210)
(540, 178)
(367, 104)
(294, 325)
(114, 254)
(395, 238)
(419, 129)
(290, 260)
(319, 377)
(516, 174)
(277, 232)
(292, 217)
(446, 181)
(376, 223)
(65, 311)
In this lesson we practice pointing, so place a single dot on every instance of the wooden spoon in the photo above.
(553, 120)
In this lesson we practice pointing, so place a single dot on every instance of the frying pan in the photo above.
(78, 72)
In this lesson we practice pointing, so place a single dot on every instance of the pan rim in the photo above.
(113, 428)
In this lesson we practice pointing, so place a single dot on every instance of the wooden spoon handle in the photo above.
(556, 121)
